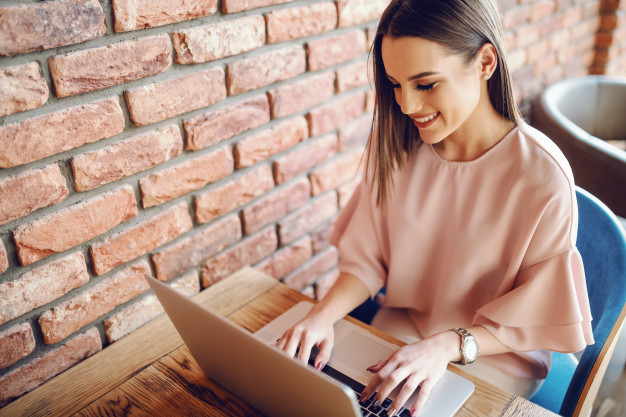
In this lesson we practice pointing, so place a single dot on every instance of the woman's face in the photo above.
(438, 90)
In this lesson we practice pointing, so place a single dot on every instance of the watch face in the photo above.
(470, 349)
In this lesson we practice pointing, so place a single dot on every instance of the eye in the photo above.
(425, 87)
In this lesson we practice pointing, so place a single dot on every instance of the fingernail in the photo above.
(320, 366)
(413, 412)
(392, 412)
(370, 369)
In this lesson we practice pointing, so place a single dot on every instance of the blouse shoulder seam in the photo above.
(570, 185)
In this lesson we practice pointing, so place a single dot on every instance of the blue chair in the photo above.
(571, 388)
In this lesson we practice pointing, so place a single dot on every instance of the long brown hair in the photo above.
(460, 26)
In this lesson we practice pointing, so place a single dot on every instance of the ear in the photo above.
(488, 60)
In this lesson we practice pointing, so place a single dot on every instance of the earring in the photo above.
(486, 76)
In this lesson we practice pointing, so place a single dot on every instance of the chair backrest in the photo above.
(602, 245)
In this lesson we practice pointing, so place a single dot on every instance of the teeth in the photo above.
(426, 119)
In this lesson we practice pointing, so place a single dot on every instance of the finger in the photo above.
(292, 344)
(305, 349)
(372, 387)
(392, 380)
(422, 397)
(379, 365)
(324, 354)
(410, 385)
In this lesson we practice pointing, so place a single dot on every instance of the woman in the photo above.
(466, 215)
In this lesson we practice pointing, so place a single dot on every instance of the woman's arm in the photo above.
(347, 293)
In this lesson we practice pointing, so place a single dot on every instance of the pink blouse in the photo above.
(487, 242)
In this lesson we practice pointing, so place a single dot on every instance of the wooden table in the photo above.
(151, 373)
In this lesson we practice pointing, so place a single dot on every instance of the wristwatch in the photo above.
(468, 348)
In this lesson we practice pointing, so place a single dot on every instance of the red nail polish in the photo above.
(413, 412)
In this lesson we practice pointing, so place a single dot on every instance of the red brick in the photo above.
(325, 282)
(336, 113)
(287, 259)
(323, 53)
(515, 16)
(251, 73)
(345, 191)
(299, 22)
(31, 190)
(245, 253)
(262, 145)
(218, 125)
(140, 239)
(355, 133)
(320, 236)
(159, 101)
(63, 320)
(59, 23)
(517, 59)
(608, 22)
(275, 205)
(233, 194)
(313, 152)
(210, 42)
(16, 343)
(58, 132)
(308, 273)
(96, 68)
(352, 76)
(146, 309)
(74, 225)
(186, 177)
(307, 218)
(22, 88)
(4, 261)
(140, 14)
(541, 9)
(52, 363)
(234, 6)
(41, 285)
(194, 249)
(295, 97)
(127, 157)
(354, 12)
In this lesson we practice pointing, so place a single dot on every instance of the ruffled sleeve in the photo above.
(549, 311)
(358, 236)
(548, 306)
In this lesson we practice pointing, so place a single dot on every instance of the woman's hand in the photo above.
(420, 364)
(316, 329)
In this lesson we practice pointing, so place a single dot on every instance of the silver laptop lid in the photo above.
(261, 375)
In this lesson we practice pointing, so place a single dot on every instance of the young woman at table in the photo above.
(466, 215)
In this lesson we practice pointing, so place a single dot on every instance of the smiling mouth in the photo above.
(426, 121)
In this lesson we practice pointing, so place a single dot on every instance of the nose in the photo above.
(409, 101)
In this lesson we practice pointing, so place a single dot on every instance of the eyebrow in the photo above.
(417, 76)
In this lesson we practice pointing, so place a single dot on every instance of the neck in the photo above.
(483, 130)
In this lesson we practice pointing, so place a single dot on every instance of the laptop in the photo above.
(250, 367)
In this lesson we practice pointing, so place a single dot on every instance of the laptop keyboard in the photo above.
(368, 407)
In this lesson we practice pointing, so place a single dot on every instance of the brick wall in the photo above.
(188, 143)
(610, 51)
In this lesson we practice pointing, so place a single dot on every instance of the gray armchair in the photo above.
(580, 115)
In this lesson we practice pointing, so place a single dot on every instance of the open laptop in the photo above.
(267, 379)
